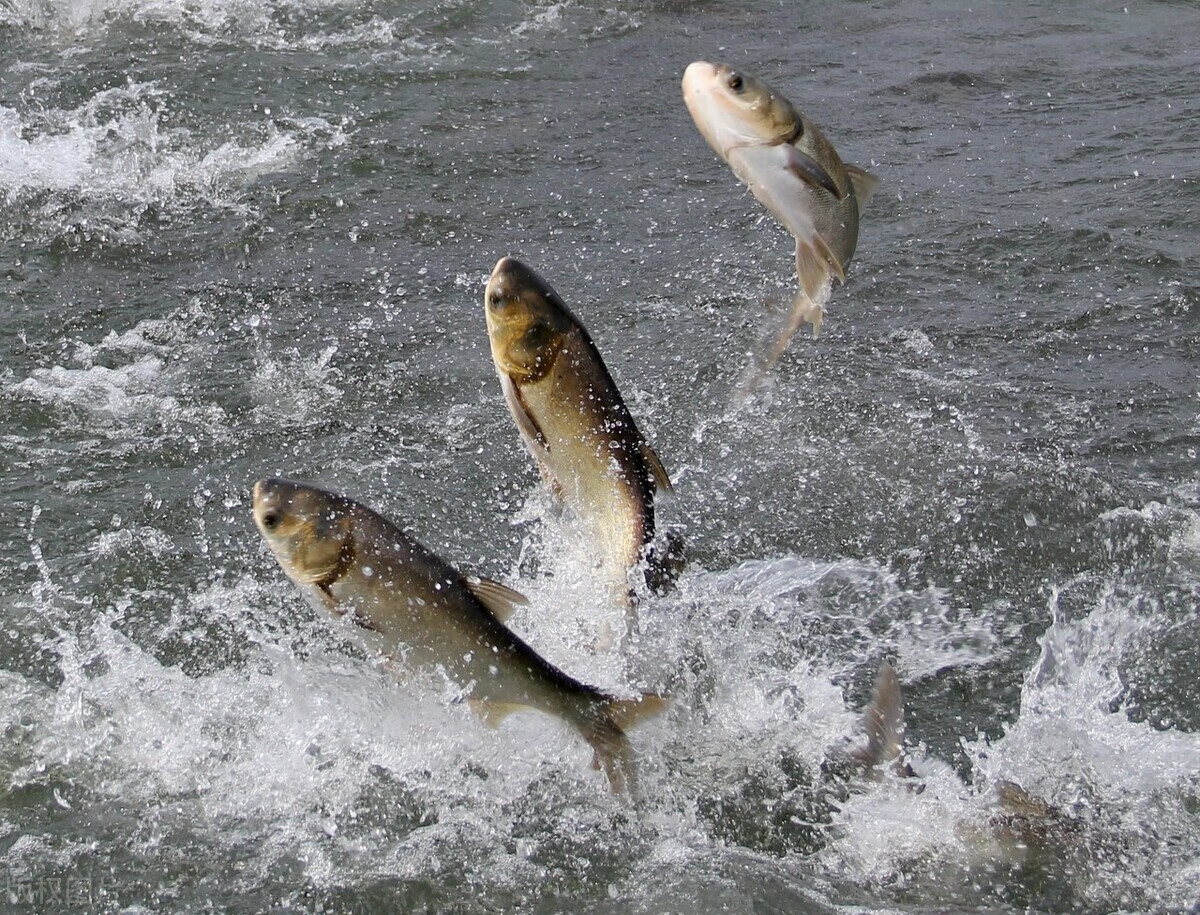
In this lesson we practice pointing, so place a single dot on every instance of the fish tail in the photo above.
(613, 753)
(816, 268)
(804, 309)
(665, 561)
(883, 720)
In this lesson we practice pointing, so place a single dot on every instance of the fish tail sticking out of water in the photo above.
(399, 601)
(883, 720)
(793, 170)
(1018, 822)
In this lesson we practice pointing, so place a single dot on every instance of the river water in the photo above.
(249, 237)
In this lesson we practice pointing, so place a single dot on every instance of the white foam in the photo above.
(279, 25)
(292, 389)
(280, 750)
(1119, 783)
(559, 16)
(133, 398)
(92, 172)
(138, 398)
(1067, 739)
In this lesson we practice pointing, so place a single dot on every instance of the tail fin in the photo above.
(883, 720)
(626, 713)
(806, 307)
(613, 752)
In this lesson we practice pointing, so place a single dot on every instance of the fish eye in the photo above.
(496, 300)
(270, 521)
(735, 81)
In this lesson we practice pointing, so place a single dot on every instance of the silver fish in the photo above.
(792, 169)
(406, 603)
(573, 420)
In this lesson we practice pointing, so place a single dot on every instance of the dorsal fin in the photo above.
(864, 184)
(657, 470)
(502, 600)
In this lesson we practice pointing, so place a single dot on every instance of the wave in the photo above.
(331, 770)
(109, 168)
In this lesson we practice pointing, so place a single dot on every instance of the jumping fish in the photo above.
(794, 172)
(407, 604)
(572, 418)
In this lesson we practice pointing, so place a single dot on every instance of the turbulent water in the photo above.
(249, 237)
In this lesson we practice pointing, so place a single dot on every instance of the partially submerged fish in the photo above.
(405, 603)
(1017, 822)
(883, 720)
(793, 171)
(573, 420)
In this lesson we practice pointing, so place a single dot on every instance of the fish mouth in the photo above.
(508, 278)
(506, 264)
(268, 502)
(696, 79)
(260, 495)
(697, 72)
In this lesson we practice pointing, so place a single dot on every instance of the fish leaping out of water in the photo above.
(792, 169)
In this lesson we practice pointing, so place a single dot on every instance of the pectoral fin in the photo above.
(809, 170)
(527, 425)
(864, 184)
(502, 600)
(531, 432)
(765, 170)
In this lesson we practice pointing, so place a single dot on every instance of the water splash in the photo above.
(117, 164)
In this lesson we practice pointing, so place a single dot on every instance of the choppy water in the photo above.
(242, 237)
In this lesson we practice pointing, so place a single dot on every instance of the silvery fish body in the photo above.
(791, 168)
(407, 604)
(573, 420)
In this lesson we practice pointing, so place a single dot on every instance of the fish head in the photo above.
(308, 529)
(733, 109)
(527, 322)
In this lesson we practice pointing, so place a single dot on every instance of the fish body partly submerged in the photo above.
(573, 420)
(1017, 824)
(791, 168)
(409, 605)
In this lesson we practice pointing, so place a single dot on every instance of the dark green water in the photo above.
(241, 238)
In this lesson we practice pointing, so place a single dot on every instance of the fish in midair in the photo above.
(572, 419)
(408, 605)
(792, 169)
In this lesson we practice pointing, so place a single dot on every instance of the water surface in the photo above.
(249, 237)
